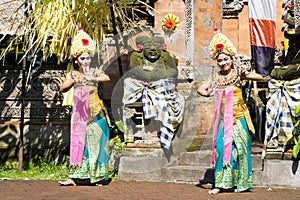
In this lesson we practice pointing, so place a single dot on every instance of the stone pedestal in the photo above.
(144, 164)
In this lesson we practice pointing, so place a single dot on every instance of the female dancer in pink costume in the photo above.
(231, 137)
(89, 124)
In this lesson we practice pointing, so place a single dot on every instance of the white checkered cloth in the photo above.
(160, 101)
(280, 111)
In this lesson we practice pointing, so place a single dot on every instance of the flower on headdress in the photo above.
(220, 44)
(139, 47)
(219, 47)
(81, 43)
(85, 42)
(170, 22)
(216, 29)
(164, 47)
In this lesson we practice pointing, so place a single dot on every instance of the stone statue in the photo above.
(290, 68)
(283, 89)
(152, 61)
(152, 82)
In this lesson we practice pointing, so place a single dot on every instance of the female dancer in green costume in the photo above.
(232, 141)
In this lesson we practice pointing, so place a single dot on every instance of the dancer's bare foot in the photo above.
(68, 182)
(214, 191)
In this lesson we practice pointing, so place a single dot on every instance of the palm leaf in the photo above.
(297, 110)
(296, 147)
(294, 138)
(49, 25)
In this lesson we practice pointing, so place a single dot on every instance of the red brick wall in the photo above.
(207, 15)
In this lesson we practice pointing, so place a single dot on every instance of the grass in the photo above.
(39, 171)
(43, 170)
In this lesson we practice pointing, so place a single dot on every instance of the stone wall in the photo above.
(46, 121)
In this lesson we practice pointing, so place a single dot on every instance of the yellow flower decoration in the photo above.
(170, 22)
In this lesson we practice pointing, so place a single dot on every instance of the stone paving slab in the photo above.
(122, 190)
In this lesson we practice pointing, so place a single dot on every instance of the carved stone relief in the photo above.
(43, 100)
(231, 8)
(46, 134)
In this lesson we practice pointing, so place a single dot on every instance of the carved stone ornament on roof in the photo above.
(232, 8)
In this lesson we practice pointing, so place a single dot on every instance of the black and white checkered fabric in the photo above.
(160, 101)
(280, 110)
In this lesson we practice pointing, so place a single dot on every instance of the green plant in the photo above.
(295, 137)
(116, 143)
(117, 147)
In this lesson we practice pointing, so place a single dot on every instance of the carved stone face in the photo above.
(152, 51)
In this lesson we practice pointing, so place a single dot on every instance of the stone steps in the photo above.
(193, 165)
(152, 165)
(196, 158)
(183, 174)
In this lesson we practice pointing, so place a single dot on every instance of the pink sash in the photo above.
(228, 123)
(79, 124)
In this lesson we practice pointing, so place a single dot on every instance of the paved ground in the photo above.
(121, 190)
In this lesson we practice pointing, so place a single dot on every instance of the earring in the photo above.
(76, 61)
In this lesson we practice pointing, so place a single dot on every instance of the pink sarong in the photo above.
(79, 124)
(228, 122)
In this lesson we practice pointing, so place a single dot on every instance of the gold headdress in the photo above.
(220, 44)
(82, 42)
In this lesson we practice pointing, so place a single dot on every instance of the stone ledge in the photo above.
(277, 173)
(142, 152)
(277, 155)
